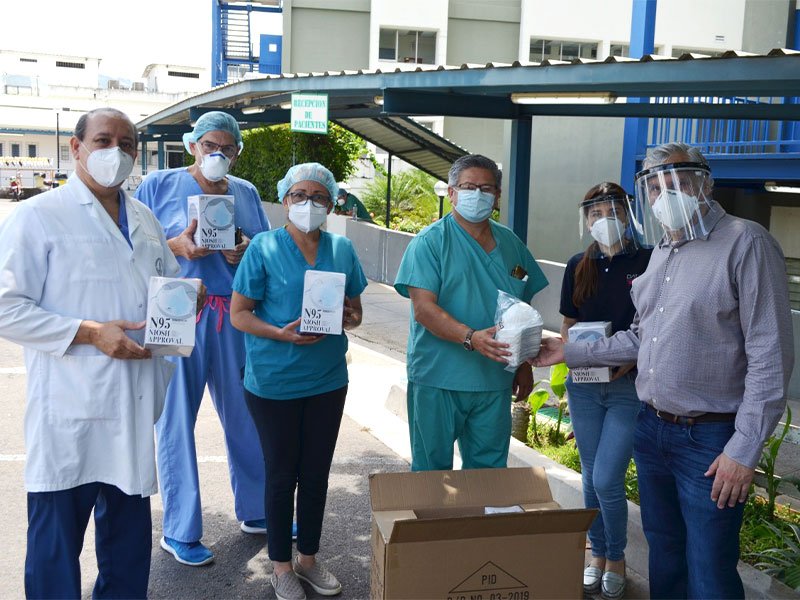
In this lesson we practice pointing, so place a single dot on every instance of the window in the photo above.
(398, 45)
(70, 65)
(561, 50)
(31, 150)
(14, 149)
(19, 90)
(1, 150)
(64, 153)
(30, 60)
(183, 74)
(619, 50)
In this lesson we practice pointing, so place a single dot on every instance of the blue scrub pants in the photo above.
(603, 417)
(218, 358)
(480, 421)
(56, 526)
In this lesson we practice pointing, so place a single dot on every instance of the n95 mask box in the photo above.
(215, 213)
(323, 303)
(171, 316)
(590, 331)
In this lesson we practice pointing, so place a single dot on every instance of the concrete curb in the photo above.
(568, 492)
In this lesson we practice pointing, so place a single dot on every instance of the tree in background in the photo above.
(414, 204)
(270, 151)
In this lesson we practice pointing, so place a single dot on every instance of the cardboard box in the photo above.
(431, 537)
(590, 331)
(323, 302)
(215, 221)
(171, 316)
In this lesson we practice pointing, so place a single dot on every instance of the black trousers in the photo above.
(298, 438)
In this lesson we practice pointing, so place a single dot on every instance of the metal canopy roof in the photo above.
(484, 91)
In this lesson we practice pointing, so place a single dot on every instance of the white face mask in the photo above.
(307, 217)
(109, 166)
(214, 166)
(474, 205)
(675, 209)
(607, 231)
(340, 201)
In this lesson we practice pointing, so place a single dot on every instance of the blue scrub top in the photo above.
(165, 193)
(612, 302)
(123, 220)
(444, 259)
(272, 273)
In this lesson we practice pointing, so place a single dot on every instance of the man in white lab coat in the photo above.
(75, 263)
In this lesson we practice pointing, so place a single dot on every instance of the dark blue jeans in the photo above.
(694, 546)
(56, 525)
(298, 437)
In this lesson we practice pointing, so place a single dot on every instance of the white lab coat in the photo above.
(89, 417)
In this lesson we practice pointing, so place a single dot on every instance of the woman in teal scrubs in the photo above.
(295, 384)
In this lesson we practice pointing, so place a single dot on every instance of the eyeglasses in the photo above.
(318, 200)
(211, 147)
(485, 188)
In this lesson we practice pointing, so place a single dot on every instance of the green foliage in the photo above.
(782, 561)
(270, 151)
(769, 457)
(536, 400)
(558, 375)
(414, 204)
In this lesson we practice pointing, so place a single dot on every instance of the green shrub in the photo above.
(270, 151)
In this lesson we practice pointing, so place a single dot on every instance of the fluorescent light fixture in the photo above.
(563, 97)
(11, 134)
(192, 123)
(771, 186)
(378, 100)
(286, 105)
(156, 135)
(253, 110)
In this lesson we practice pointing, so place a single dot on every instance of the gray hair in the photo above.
(474, 161)
(83, 122)
(660, 154)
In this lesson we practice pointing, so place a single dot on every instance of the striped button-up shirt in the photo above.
(712, 331)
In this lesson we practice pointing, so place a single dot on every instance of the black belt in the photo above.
(704, 418)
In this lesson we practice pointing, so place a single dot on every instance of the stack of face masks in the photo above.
(520, 326)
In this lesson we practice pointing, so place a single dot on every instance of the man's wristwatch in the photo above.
(468, 340)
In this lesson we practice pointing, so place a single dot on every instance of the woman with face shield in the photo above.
(295, 384)
(596, 287)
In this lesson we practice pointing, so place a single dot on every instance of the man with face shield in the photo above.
(219, 355)
(458, 388)
(712, 338)
(75, 263)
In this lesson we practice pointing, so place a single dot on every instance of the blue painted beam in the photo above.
(255, 8)
(519, 177)
(15, 130)
(405, 102)
(676, 110)
(274, 115)
(182, 128)
(769, 167)
(643, 30)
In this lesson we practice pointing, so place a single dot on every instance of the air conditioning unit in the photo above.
(138, 86)
(113, 84)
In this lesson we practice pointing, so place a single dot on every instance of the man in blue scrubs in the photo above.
(458, 388)
(219, 354)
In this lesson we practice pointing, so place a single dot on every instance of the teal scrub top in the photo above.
(271, 273)
(444, 259)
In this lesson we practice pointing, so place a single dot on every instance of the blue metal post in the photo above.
(217, 77)
(643, 29)
(792, 128)
(519, 178)
(144, 158)
(160, 154)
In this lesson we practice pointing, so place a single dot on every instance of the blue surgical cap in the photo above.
(308, 172)
(213, 121)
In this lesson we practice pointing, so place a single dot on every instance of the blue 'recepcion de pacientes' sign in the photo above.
(310, 113)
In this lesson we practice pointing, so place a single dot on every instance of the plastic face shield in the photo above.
(670, 199)
(606, 221)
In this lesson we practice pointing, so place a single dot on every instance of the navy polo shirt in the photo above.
(612, 302)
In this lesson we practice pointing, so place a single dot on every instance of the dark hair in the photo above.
(474, 161)
(83, 122)
(586, 271)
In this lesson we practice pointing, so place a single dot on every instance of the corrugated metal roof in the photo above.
(483, 91)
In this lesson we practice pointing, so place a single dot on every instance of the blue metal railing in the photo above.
(726, 137)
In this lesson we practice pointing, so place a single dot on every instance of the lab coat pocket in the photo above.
(95, 256)
(83, 388)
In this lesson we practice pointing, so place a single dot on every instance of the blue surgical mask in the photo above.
(474, 205)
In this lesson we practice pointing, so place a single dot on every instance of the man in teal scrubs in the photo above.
(348, 204)
(458, 388)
